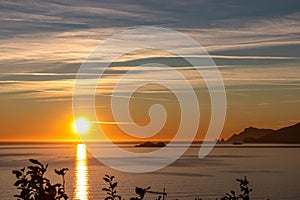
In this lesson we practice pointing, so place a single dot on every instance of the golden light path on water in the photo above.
(81, 173)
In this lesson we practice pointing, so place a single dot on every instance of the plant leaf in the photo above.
(106, 180)
(17, 173)
(35, 162)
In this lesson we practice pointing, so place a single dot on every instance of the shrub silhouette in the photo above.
(245, 190)
(140, 192)
(112, 192)
(111, 189)
(35, 186)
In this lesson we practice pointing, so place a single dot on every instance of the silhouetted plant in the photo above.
(61, 189)
(245, 191)
(111, 191)
(198, 198)
(140, 192)
(34, 186)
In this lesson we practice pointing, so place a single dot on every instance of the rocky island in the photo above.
(151, 144)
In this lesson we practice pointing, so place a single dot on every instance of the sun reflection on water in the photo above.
(81, 173)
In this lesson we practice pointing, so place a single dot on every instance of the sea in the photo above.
(273, 171)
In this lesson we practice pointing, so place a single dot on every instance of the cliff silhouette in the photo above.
(289, 135)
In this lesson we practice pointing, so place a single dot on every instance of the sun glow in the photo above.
(81, 125)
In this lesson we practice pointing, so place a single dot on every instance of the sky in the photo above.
(255, 44)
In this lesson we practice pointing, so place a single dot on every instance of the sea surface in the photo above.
(273, 171)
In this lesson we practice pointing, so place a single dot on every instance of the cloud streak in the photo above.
(45, 42)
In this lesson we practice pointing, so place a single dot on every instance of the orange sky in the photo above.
(257, 55)
(32, 120)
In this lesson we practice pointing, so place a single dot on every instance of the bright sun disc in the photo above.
(81, 125)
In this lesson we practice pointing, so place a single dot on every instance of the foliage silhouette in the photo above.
(112, 192)
(111, 189)
(140, 192)
(35, 186)
(245, 191)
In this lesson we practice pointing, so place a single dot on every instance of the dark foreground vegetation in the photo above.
(33, 185)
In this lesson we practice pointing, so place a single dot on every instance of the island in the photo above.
(151, 144)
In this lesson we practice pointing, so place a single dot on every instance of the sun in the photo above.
(81, 125)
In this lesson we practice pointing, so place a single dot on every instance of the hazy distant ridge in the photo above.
(290, 134)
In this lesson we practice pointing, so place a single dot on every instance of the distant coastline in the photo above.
(252, 135)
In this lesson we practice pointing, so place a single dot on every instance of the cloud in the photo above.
(111, 123)
(43, 43)
(63, 30)
(36, 90)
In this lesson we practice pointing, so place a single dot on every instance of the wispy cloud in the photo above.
(45, 42)
(111, 123)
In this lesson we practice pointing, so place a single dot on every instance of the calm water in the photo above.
(273, 172)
